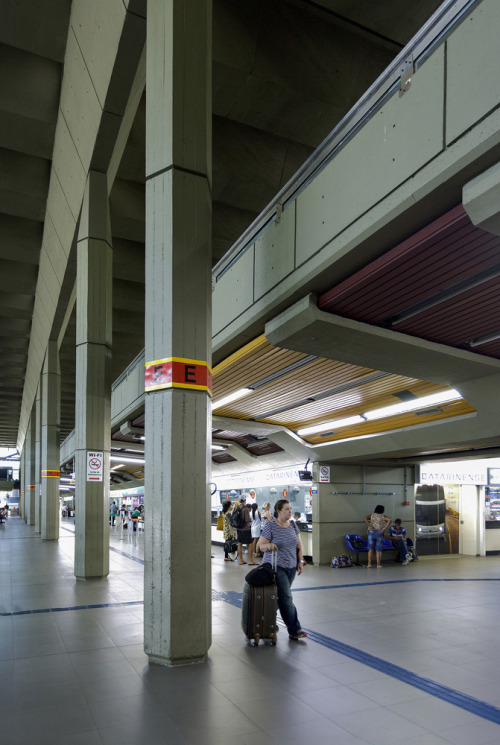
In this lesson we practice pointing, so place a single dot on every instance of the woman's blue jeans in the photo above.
(284, 579)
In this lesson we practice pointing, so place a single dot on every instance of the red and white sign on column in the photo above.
(94, 465)
(324, 474)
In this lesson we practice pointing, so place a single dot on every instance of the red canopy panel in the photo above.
(447, 266)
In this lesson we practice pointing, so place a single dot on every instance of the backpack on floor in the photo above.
(339, 562)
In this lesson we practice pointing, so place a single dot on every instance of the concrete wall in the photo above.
(356, 492)
(414, 149)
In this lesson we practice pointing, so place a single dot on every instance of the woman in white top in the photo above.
(255, 528)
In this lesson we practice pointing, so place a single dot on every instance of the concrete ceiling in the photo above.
(285, 72)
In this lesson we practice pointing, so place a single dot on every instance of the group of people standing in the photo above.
(265, 532)
(250, 521)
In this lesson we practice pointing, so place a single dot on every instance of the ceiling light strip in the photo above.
(284, 371)
(457, 289)
(387, 411)
(484, 339)
(325, 394)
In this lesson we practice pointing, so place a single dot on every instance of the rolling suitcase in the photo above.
(258, 613)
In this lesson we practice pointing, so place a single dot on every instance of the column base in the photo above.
(167, 662)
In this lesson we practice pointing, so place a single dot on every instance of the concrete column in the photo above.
(22, 481)
(50, 405)
(354, 491)
(93, 379)
(177, 603)
(38, 457)
(29, 449)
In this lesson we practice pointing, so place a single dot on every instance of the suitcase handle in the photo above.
(274, 560)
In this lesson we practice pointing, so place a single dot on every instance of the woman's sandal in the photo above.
(299, 635)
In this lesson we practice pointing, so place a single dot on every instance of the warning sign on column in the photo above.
(94, 465)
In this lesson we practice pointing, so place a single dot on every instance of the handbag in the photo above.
(264, 574)
(220, 522)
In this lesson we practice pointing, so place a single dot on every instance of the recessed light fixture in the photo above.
(425, 402)
(331, 425)
(230, 398)
(418, 403)
(120, 458)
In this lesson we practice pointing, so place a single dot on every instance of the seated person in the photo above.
(397, 534)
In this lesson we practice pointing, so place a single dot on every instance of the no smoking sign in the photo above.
(94, 465)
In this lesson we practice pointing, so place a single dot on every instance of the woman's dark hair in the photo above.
(379, 509)
(226, 506)
(255, 507)
(279, 506)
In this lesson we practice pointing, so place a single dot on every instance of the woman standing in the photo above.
(377, 523)
(279, 534)
(255, 528)
(229, 532)
(266, 514)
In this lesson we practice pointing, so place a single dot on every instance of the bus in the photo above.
(430, 511)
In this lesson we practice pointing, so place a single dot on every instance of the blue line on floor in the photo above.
(396, 582)
(462, 700)
(111, 548)
(127, 556)
(71, 607)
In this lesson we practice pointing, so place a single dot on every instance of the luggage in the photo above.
(339, 562)
(231, 546)
(258, 613)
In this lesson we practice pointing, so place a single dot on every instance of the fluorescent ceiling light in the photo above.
(126, 460)
(232, 397)
(331, 425)
(67, 480)
(418, 403)
(122, 465)
(218, 447)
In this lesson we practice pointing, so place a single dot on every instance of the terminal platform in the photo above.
(405, 653)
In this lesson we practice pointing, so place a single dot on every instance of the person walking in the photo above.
(377, 524)
(282, 535)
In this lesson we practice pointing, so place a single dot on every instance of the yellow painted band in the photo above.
(178, 385)
(260, 341)
(178, 359)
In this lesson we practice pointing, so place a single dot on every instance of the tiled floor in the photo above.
(407, 654)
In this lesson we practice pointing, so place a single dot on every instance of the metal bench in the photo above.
(358, 545)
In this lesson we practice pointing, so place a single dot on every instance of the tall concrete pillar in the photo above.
(29, 490)
(22, 481)
(93, 381)
(50, 405)
(38, 459)
(177, 603)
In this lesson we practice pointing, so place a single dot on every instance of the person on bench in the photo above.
(397, 534)
(377, 524)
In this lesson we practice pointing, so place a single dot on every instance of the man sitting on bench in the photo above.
(397, 534)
